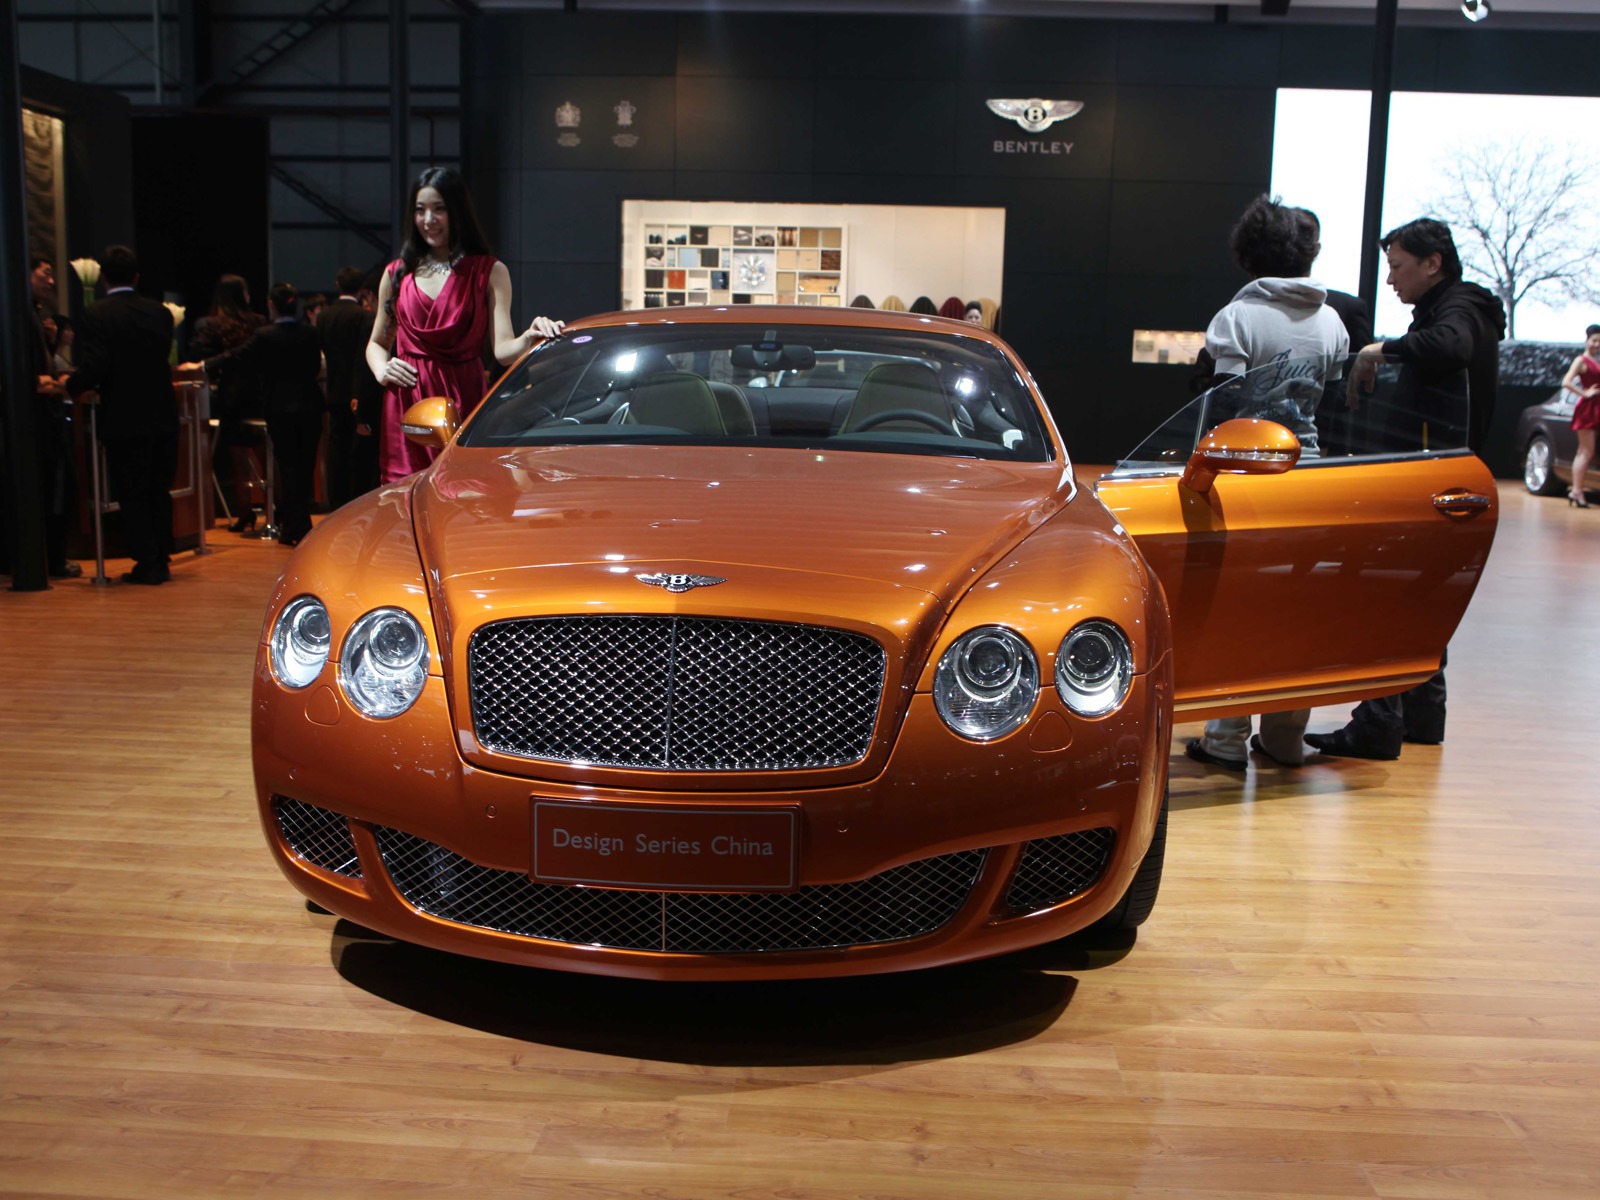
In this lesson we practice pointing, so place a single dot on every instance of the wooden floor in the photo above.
(1362, 979)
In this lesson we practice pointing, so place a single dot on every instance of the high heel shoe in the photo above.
(244, 524)
(1577, 500)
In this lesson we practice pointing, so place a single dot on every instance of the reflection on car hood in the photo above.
(928, 523)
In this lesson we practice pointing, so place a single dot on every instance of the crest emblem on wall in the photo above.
(1035, 115)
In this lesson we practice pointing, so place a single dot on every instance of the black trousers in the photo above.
(364, 474)
(294, 446)
(57, 480)
(142, 467)
(1385, 722)
(341, 435)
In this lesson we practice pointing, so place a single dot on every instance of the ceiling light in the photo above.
(1474, 10)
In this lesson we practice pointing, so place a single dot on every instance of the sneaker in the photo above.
(1196, 749)
(1255, 744)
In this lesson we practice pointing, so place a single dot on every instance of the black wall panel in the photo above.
(1116, 218)
(731, 124)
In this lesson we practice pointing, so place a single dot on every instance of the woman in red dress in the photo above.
(1583, 381)
(435, 304)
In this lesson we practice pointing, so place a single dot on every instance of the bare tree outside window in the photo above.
(1522, 214)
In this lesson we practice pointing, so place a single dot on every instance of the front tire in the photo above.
(1133, 910)
(1539, 467)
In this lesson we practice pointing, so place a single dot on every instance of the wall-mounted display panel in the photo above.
(683, 253)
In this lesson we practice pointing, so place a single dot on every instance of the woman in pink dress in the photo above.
(1583, 381)
(436, 302)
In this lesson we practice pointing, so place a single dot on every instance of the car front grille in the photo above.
(675, 693)
(902, 902)
(320, 837)
(1058, 868)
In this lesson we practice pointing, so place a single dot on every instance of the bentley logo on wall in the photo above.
(1035, 116)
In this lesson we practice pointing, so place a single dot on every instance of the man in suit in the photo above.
(344, 327)
(122, 347)
(286, 356)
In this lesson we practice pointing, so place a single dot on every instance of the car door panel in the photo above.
(1337, 580)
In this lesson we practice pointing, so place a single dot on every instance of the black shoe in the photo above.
(1196, 750)
(145, 573)
(1255, 744)
(1339, 744)
(1419, 740)
(244, 524)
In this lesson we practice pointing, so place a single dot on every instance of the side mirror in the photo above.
(430, 422)
(1242, 446)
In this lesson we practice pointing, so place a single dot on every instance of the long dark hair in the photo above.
(228, 298)
(466, 235)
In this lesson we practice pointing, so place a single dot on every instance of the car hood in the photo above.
(516, 531)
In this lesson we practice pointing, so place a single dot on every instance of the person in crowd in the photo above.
(344, 329)
(1280, 315)
(973, 314)
(57, 329)
(368, 406)
(311, 307)
(1352, 310)
(1583, 381)
(286, 357)
(122, 347)
(435, 304)
(1455, 330)
(235, 395)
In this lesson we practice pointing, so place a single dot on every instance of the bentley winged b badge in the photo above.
(1035, 115)
(679, 583)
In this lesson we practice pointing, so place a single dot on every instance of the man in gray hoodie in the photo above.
(1280, 319)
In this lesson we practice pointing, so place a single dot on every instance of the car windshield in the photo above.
(1339, 407)
(843, 387)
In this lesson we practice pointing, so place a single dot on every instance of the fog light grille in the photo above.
(1058, 868)
(320, 837)
(902, 902)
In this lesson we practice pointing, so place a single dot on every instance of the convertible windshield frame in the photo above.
(743, 383)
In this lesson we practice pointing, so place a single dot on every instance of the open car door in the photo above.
(1317, 541)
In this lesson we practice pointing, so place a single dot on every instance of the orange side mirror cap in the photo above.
(1242, 446)
(430, 422)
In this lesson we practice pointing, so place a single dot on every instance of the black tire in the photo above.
(1539, 467)
(1133, 910)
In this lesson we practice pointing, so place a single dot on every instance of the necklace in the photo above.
(432, 266)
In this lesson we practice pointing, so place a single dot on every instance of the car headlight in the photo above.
(1094, 668)
(384, 662)
(301, 639)
(986, 683)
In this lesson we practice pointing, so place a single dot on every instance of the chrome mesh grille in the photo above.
(1054, 869)
(675, 693)
(902, 902)
(320, 837)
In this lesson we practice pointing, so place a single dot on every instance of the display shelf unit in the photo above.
(728, 263)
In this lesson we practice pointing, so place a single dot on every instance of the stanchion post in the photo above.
(199, 414)
(97, 498)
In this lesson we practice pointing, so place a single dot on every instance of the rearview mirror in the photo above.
(1242, 446)
(430, 422)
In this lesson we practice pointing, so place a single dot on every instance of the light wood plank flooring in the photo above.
(1362, 980)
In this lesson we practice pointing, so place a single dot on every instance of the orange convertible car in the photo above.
(757, 643)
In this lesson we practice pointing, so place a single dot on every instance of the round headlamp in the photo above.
(301, 639)
(986, 683)
(384, 662)
(1094, 668)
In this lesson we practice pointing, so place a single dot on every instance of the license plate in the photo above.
(672, 849)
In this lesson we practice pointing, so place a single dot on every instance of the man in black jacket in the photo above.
(1456, 328)
(122, 348)
(286, 356)
(344, 327)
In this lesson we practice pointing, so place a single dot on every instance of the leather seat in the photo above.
(899, 385)
(737, 415)
(675, 400)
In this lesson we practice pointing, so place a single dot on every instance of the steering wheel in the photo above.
(903, 414)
